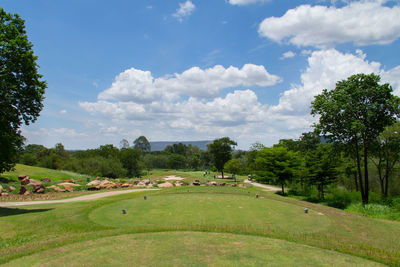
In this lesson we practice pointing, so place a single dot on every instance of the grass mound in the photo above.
(188, 249)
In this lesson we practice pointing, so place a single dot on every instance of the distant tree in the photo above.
(21, 90)
(386, 154)
(221, 151)
(142, 144)
(278, 163)
(176, 161)
(322, 164)
(108, 151)
(124, 144)
(354, 114)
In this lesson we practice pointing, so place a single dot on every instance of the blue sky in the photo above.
(200, 69)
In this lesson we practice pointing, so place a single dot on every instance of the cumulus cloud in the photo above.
(363, 22)
(139, 86)
(245, 2)
(288, 54)
(185, 9)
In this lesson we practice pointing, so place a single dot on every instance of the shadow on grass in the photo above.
(13, 211)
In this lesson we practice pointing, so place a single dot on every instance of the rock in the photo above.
(1, 189)
(69, 189)
(146, 181)
(22, 177)
(196, 182)
(165, 185)
(25, 181)
(178, 184)
(4, 194)
(11, 188)
(22, 190)
(141, 184)
(94, 188)
(72, 181)
(94, 183)
(136, 181)
(126, 185)
(45, 180)
(34, 182)
(56, 188)
(69, 184)
(27, 193)
(39, 189)
(222, 184)
(107, 184)
(213, 183)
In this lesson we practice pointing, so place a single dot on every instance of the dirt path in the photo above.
(81, 198)
(268, 187)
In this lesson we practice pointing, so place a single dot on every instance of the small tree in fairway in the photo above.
(221, 151)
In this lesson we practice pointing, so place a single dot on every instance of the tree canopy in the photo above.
(221, 151)
(142, 144)
(21, 88)
(354, 114)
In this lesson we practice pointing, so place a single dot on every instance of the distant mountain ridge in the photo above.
(161, 145)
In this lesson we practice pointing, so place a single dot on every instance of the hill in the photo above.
(161, 145)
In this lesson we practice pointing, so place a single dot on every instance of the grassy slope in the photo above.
(37, 229)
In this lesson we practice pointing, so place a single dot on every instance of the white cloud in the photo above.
(245, 2)
(185, 9)
(363, 22)
(139, 86)
(288, 54)
(63, 111)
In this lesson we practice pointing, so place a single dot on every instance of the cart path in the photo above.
(268, 187)
(80, 198)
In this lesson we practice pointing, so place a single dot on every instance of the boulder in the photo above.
(165, 185)
(27, 192)
(213, 183)
(39, 189)
(22, 190)
(196, 182)
(126, 185)
(178, 184)
(69, 184)
(141, 184)
(45, 180)
(25, 181)
(222, 184)
(72, 181)
(11, 188)
(22, 177)
(4, 194)
(94, 183)
(69, 189)
(56, 188)
(107, 184)
(34, 182)
(146, 181)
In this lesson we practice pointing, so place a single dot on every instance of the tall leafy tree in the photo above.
(221, 151)
(354, 114)
(21, 88)
(278, 163)
(142, 144)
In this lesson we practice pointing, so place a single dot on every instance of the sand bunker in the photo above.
(173, 178)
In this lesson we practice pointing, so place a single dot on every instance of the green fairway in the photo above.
(194, 226)
(234, 211)
(188, 249)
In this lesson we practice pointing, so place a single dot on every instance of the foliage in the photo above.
(221, 151)
(354, 114)
(130, 158)
(21, 90)
(279, 163)
(233, 166)
(142, 144)
(322, 166)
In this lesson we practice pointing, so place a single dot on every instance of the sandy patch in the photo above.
(173, 178)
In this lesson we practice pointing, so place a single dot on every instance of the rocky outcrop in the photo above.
(165, 185)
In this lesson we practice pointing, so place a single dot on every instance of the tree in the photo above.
(279, 163)
(322, 166)
(130, 158)
(124, 144)
(386, 154)
(354, 114)
(142, 144)
(233, 166)
(221, 151)
(21, 90)
(176, 161)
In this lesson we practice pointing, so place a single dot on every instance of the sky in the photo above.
(187, 70)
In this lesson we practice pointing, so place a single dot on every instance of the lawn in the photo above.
(197, 226)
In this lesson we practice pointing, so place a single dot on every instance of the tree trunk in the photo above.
(359, 171)
(283, 190)
(366, 181)
(355, 182)
(222, 174)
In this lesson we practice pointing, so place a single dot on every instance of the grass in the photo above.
(217, 226)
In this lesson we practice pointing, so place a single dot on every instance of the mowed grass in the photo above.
(37, 173)
(194, 226)
(188, 249)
